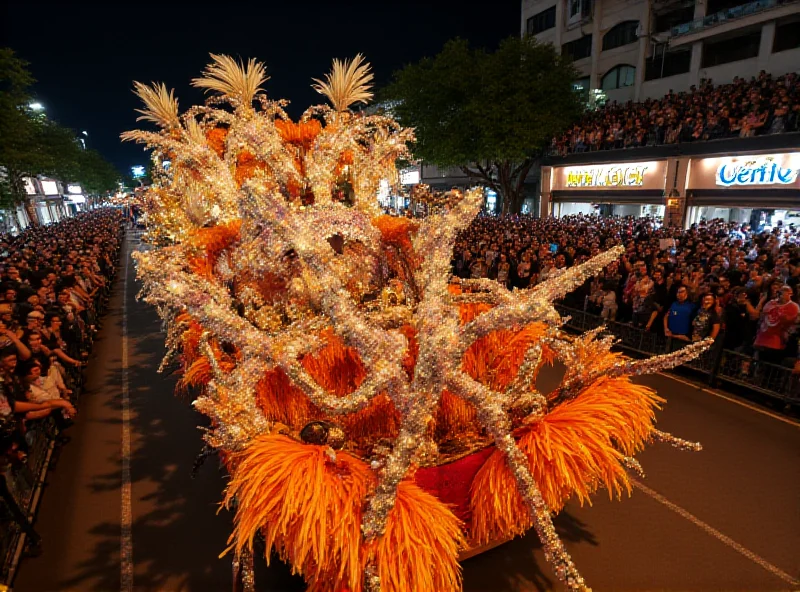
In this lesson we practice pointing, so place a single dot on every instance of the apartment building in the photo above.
(638, 49)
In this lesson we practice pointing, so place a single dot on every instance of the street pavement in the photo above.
(724, 519)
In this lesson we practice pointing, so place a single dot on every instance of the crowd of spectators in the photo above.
(762, 105)
(54, 285)
(716, 279)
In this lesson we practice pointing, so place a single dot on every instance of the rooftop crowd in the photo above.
(717, 279)
(54, 284)
(743, 108)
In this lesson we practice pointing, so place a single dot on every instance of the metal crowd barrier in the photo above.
(20, 490)
(718, 364)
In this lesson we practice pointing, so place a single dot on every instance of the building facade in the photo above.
(639, 49)
(759, 188)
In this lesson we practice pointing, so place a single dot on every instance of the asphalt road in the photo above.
(724, 519)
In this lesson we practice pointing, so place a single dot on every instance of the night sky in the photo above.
(86, 55)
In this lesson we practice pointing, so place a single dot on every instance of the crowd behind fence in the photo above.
(763, 105)
(717, 364)
(55, 284)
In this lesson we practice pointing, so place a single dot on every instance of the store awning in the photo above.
(646, 197)
(76, 199)
(778, 199)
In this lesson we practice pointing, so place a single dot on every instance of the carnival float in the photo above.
(378, 421)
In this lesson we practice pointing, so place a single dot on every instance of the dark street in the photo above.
(726, 518)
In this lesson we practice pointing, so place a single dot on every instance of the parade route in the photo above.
(122, 511)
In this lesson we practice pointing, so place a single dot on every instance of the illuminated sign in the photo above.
(747, 171)
(610, 177)
(755, 171)
(30, 186)
(409, 176)
(137, 171)
(613, 176)
(49, 187)
(74, 189)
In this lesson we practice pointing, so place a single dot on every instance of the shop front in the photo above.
(761, 190)
(609, 189)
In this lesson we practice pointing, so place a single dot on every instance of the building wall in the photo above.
(608, 13)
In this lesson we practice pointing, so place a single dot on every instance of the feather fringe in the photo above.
(309, 509)
(573, 450)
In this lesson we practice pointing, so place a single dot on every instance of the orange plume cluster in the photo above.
(300, 134)
(211, 243)
(216, 138)
(308, 506)
(575, 448)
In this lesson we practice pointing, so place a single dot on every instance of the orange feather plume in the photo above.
(300, 134)
(216, 138)
(573, 450)
(309, 507)
(338, 369)
(396, 231)
(211, 243)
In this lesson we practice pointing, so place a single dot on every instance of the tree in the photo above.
(17, 129)
(490, 114)
(31, 144)
(95, 174)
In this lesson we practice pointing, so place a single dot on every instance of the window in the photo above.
(579, 10)
(672, 18)
(578, 49)
(787, 36)
(621, 34)
(542, 22)
(581, 88)
(731, 49)
(581, 85)
(619, 77)
(667, 63)
(714, 6)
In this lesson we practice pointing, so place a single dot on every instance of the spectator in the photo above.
(678, 321)
(740, 322)
(609, 302)
(777, 318)
(706, 322)
(645, 309)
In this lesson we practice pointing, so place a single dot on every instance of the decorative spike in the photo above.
(679, 443)
(234, 80)
(348, 82)
(161, 107)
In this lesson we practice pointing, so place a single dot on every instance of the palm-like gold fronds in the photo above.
(349, 82)
(194, 131)
(161, 106)
(233, 79)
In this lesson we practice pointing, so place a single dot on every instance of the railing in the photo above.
(20, 489)
(718, 364)
(726, 15)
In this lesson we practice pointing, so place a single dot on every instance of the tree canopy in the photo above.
(489, 113)
(31, 144)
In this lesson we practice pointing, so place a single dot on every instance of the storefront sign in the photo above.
(742, 172)
(763, 171)
(50, 187)
(631, 175)
(30, 186)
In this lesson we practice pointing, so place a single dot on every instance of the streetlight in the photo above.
(36, 106)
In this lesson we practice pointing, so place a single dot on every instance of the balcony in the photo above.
(745, 14)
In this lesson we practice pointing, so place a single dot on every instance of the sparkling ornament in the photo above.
(338, 361)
